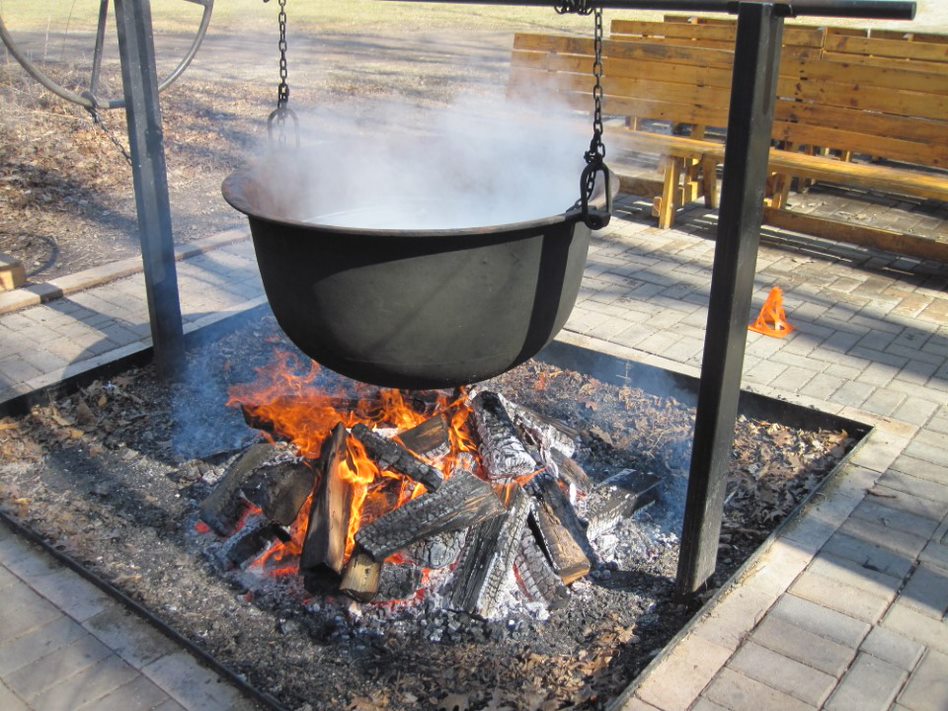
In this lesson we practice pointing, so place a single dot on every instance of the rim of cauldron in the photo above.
(242, 181)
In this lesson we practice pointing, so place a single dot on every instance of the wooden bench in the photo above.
(827, 112)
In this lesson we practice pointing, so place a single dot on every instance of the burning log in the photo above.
(280, 488)
(249, 542)
(558, 528)
(502, 452)
(222, 509)
(536, 578)
(547, 434)
(569, 471)
(360, 580)
(391, 455)
(461, 502)
(488, 557)
(429, 439)
(438, 551)
(619, 496)
(324, 548)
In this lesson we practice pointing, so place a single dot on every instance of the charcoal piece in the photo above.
(391, 455)
(536, 578)
(360, 579)
(619, 496)
(398, 582)
(502, 452)
(429, 439)
(558, 529)
(325, 544)
(280, 487)
(461, 502)
(438, 551)
(222, 509)
(547, 434)
(487, 559)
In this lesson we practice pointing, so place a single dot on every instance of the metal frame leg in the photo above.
(753, 94)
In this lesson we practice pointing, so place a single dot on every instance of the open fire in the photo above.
(463, 496)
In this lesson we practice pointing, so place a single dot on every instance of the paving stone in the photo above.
(916, 410)
(874, 509)
(22, 610)
(636, 704)
(909, 622)
(796, 643)
(10, 701)
(912, 485)
(868, 555)
(730, 621)
(935, 554)
(854, 574)
(868, 685)
(75, 596)
(129, 637)
(7, 578)
(821, 620)
(921, 468)
(705, 704)
(927, 688)
(32, 680)
(902, 501)
(893, 648)
(847, 599)
(782, 673)
(193, 686)
(883, 402)
(87, 686)
(39, 642)
(681, 675)
(738, 692)
(927, 591)
(905, 544)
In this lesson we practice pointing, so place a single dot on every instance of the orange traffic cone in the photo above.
(772, 320)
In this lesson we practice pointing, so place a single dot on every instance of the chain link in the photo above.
(283, 91)
(283, 111)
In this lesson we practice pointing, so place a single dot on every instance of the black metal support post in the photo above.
(750, 121)
(146, 140)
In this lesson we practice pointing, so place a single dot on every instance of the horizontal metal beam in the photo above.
(865, 9)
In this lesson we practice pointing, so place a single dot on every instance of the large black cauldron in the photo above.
(421, 308)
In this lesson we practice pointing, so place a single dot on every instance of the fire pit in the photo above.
(422, 307)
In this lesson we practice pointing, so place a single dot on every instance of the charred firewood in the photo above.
(249, 542)
(617, 497)
(558, 529)
(399, 581)
(488, 557)
(324, 548)
(391, 455)
(280, 488)
(429, 439)
(502, 452)
(569, 471)
(547, 434)
(461, 502)
(438, 551)
(222, 509)
(360, 580)
(536, 578)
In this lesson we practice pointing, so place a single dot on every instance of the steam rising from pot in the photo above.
(477, 164)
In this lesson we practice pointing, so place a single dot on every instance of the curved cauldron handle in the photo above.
(595, 218)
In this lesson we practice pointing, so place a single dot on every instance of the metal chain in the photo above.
(597, 150)
(578, 7)
(97, 121)
(279, 116)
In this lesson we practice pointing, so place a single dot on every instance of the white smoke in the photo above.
(481, 162)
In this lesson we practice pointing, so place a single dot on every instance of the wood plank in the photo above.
(909, 129)
(902, 243)
(865, 97)
(901, 77)
(936, 68)
(922, 51)
(859, 175)
(909, 35)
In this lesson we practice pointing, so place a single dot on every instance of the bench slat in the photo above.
(923, 51)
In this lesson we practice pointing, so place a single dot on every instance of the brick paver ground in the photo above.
(846, 610)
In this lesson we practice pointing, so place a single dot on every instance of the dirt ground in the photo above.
(66, 200)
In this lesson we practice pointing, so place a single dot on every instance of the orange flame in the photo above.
(288, 400)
